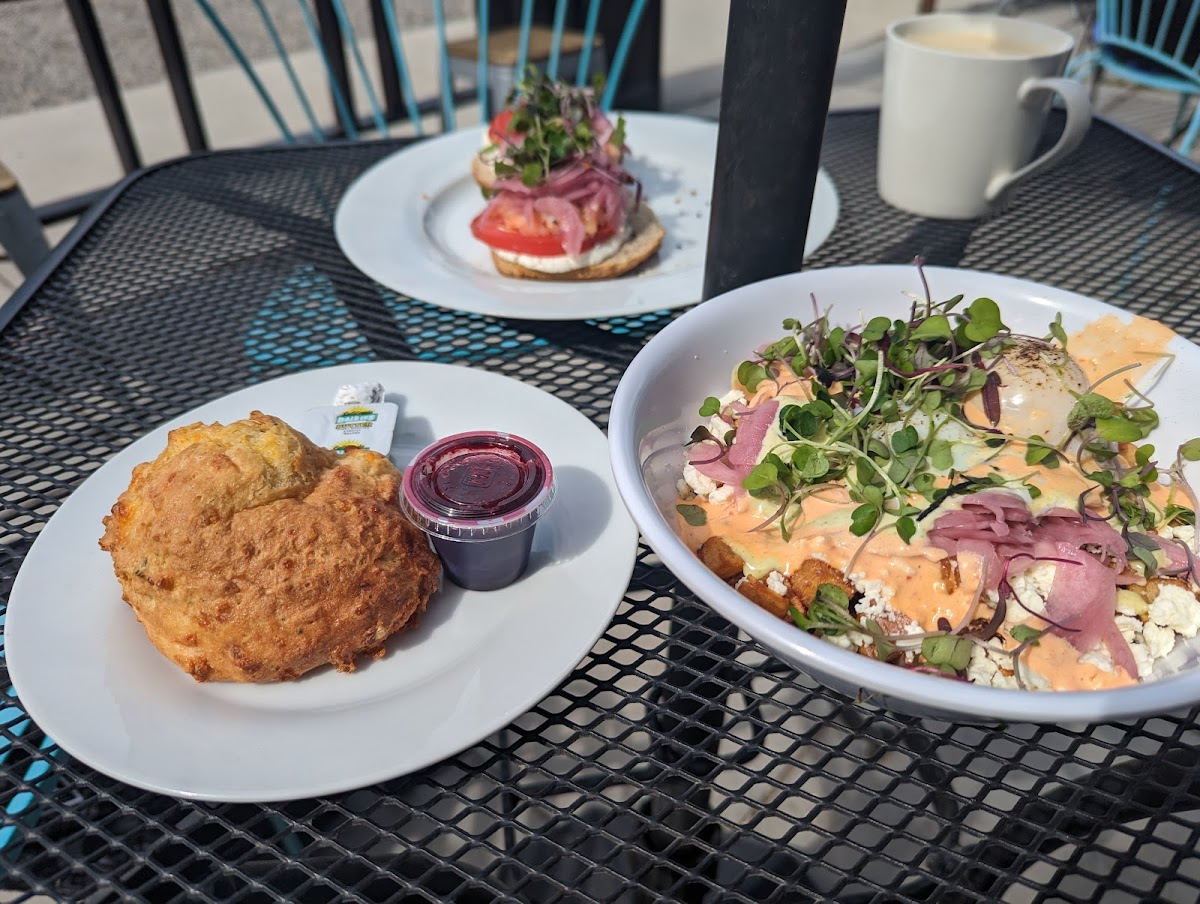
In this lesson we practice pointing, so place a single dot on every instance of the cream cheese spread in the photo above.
(564, 263)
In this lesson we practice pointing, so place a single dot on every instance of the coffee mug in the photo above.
(965, 98)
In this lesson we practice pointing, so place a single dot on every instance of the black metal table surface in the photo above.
(678, 762)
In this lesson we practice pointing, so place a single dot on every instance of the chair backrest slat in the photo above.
(406, 89)
(560, 21)
(281, 51)
(445, 79)
(377, 116)
(481, 78)
(1164, 23)
(621, 53)
(1103, 15)
(1143, 23)
(240, 57)
(1185, 40)
(589, 38)
(523, 40)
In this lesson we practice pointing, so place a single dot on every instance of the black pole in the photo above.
(778, 76)
(175, 62)
(92, 42)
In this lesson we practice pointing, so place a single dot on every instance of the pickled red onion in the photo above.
(566, 215)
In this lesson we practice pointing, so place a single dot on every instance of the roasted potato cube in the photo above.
(763, 596)
(1149, 590)
(720, 559)
(811, 574)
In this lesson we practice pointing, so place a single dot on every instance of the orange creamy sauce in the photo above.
(914, 572)
(1108, 344)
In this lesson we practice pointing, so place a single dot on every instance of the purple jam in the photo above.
(479, 496)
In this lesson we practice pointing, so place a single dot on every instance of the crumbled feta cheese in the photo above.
(987, 668)
(843, 641)
(1142, 659)
(1183, 532)
(1158, 640)
(891, 620)
(1031, 588)
(1034, 681)
(994, 668)
(871, 606)
(717, 425)
(777, 582)
(872, 592)
(693, 483)
(721, 494)
(858, 639)
(699, 484)
(1130, 627)
(1100, 658)
(1176, 608)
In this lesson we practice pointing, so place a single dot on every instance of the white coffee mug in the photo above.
(965, 98)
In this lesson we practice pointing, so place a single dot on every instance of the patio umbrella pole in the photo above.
(778, 77)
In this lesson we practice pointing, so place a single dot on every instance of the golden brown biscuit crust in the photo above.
(250, 554)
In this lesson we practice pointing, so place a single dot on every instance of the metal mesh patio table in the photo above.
(679, 762)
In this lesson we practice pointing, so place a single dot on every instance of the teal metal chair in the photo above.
(555, 48)
(1151, 43)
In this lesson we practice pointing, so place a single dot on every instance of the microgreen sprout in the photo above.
(829, 615)
(557, 125)
(860, 383)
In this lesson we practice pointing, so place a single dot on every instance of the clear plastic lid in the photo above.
(476, 486)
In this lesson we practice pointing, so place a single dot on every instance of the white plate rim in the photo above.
(937, 697)
(397, 192)
(609, 562)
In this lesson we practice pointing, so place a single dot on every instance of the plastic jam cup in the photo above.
(479, 496)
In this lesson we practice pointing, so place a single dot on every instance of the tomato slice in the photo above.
(504, 227)
(499, 126)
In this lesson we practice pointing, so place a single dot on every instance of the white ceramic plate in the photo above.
(86, 673)
(405, 223)
(654, 412)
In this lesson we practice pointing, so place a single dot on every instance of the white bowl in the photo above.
(655, 410)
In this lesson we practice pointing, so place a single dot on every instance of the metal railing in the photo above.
(640, 87)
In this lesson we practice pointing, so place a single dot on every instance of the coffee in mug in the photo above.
(965, 98)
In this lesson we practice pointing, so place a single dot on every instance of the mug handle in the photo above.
(1079, 117)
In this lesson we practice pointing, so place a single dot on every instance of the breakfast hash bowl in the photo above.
(878, 472)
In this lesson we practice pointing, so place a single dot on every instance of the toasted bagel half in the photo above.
(484, 173)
